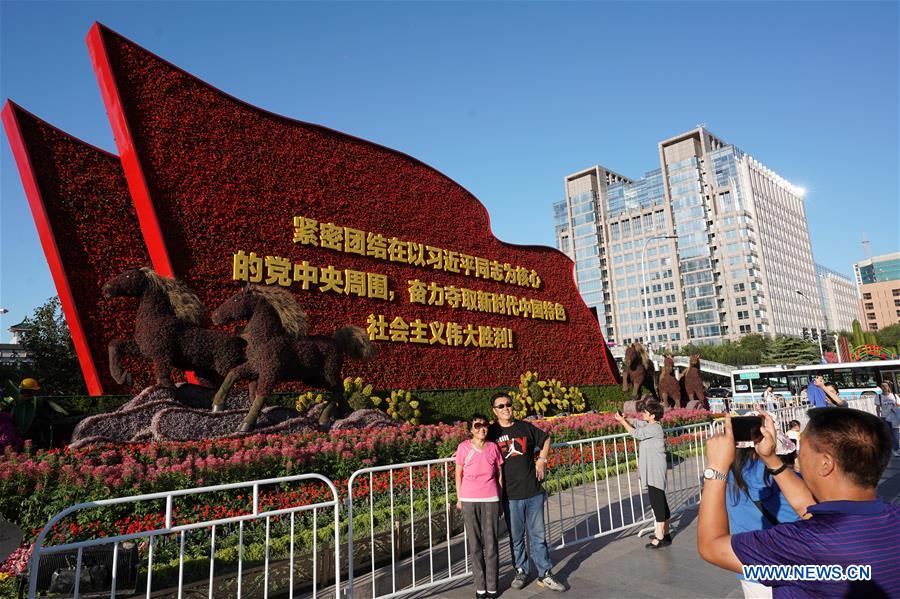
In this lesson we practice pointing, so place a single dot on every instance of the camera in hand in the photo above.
(746, 428)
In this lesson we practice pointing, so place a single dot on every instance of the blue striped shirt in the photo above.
(840, 532)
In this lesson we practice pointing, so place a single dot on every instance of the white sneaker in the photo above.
(551, 583)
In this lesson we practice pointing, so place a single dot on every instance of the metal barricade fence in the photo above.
(404, 526)
(423, 505)
(277, 510)
(783, 416)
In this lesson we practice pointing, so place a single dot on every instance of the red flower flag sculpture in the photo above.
(227, 194)
(88, 228)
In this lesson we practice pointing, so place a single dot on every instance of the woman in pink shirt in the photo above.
(478, 482)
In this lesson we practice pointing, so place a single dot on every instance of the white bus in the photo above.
(855, 380)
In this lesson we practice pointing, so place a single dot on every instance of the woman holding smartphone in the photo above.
(652, 465)
(478, 481)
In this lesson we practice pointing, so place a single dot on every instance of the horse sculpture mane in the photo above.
(291, 315)
(642, 352)
(186, 305)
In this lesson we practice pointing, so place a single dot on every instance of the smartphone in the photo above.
(746, 428)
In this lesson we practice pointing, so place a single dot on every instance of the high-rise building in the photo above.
(878, 280)
(738, 255)
(838, 296)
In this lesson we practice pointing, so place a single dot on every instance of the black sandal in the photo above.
(663, 542)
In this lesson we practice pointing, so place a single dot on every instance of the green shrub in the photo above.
(404, 406)
(308, 400)
(604, 398)
(359, 395)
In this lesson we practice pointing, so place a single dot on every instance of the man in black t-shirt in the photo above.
(523, 495)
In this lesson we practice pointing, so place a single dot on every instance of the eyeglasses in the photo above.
(478, 425)
(502, 406)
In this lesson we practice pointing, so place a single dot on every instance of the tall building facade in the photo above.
(878, 280)
(838, 296)
(723, 239)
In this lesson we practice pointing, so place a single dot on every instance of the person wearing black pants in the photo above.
(652, 465)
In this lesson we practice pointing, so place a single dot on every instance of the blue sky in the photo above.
(506, 98)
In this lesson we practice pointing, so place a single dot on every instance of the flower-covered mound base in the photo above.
(184, 414)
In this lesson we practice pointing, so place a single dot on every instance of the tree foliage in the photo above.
(791, 350)
(758, 349)
(889, 336)
(49, 343)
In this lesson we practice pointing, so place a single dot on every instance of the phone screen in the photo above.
(746, 428)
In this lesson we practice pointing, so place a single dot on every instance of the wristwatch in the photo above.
(777, 471)
(542, 459)
(710, 474)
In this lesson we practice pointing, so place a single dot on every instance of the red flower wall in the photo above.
(210, 175)
(82, 207)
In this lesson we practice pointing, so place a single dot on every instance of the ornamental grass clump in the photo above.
(359, 395)
(404, 406)
(545, 397)
(308, 400)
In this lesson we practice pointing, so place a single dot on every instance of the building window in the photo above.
(739, 287)
(870, 306)
(868, 295)
(743, 314)
(740, 301)
(870, 316)
(745, 328)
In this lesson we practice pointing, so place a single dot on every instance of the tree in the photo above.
(49, 343)
(889, 336)
(791, 350)
(750, 349)
(857, 338)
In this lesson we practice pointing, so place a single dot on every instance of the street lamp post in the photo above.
(818, 333)
(645, 294)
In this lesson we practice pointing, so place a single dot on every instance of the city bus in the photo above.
(856, 380)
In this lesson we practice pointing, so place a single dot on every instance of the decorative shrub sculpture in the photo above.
(403, 405)
(308, 400)
(540, 397)
(359, 394)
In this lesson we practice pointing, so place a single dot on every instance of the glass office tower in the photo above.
(740, 254)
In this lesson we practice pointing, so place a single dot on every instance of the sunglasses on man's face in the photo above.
(501, 406)
(479, 425)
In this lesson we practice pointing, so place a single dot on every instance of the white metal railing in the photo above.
(586, 508)
(595, 491)
(783, 416)
(430, 481)
(150, 537)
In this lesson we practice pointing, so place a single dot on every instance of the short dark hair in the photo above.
(475, 417)
(833, 386)
(859, 442)
(793, 423)
(497, 396)
(655, 408)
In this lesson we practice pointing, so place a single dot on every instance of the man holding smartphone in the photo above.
(844, 524)
(523, 494)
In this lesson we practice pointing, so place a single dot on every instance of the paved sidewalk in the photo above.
(620, 566)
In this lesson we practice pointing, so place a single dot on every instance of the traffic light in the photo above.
(805, 334)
